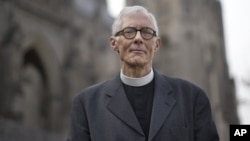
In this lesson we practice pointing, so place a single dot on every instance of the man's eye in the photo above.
(147, 32)
(129, 31)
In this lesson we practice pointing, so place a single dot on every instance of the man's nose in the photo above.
(138, 38)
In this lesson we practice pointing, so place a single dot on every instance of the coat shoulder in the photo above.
(178, 82)
(184, 87)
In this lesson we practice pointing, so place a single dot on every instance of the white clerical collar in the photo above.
(136, 82)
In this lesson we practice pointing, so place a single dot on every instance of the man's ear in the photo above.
(113, 43)
(157, 44)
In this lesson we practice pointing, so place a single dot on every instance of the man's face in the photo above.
(136, 51)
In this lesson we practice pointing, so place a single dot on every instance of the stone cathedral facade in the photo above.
(51, 49)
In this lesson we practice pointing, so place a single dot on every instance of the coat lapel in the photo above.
(120, 106)
(162, 105)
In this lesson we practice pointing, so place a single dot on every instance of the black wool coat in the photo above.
(181, 112)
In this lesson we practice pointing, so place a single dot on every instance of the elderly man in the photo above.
(139, 103)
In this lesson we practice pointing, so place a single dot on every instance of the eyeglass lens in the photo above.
(130, 32)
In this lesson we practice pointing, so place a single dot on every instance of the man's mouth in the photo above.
(137, 51)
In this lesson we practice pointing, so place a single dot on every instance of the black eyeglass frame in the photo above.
(121, 32)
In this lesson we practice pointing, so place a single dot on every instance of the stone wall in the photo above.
(49, 51)
(10, 131)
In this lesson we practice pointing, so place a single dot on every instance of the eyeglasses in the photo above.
(130, 33)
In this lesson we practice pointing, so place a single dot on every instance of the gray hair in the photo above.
(131, 10)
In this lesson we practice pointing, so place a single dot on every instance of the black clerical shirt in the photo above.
(141, 99)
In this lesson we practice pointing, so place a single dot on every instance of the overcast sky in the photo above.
(236, 20)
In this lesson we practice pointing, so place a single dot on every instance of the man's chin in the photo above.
(137, 63)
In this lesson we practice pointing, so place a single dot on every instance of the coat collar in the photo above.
(120, 106)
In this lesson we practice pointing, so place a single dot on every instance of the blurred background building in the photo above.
(51, 49)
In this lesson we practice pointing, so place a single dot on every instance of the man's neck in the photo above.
(136, 82)
(136, 72)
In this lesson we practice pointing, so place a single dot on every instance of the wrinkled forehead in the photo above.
(138, 19)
